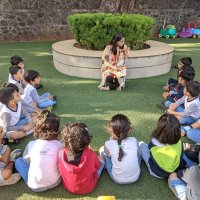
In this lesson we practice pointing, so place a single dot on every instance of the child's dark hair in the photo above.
(6, 85)
(47, 126)
(75, 137)
(193, 87)
(120, 127)
(116, 38)
(186, 60)
(14, 69)
(188, 67)
(6, 95)
(15, 60)
(168, 129)
(30, 75)
(188, 73)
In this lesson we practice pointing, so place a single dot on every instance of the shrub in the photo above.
(95, 30)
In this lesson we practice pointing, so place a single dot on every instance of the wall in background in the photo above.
(25, 20)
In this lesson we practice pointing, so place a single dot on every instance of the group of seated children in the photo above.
(46, 161)
(182, 101)
(20, 105)
(73, 162)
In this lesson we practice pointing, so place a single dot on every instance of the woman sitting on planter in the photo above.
(114, 64)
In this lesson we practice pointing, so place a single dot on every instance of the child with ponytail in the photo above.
(121, 152)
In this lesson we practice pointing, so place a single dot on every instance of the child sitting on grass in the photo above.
(39, 165)
(79, 166)
(30, 108)
(164, 153)
(121, 152)
(14, 118)
(185, 61)
(185, 183)
(175, 93)
(30, 93)
(18, 61)
(7, 159)
(17, 74)
(191, 102)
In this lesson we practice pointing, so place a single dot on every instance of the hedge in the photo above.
(95, 30)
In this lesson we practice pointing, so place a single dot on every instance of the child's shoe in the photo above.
(161, 106)
(54, 97)
(6, 141)
(15, 154)
(14, 178)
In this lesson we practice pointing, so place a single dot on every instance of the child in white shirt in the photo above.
(17, 74)
(14, 118)
(16, 61)
(7, 159)
(191, 102)
(30, 93)
(121, 152)
(39, 165)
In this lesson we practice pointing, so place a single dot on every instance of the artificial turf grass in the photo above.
(80, 100)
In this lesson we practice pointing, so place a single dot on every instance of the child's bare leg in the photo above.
(14, 135)
(7, 171)
(5, 158)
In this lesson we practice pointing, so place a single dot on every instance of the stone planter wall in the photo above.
(150, 62)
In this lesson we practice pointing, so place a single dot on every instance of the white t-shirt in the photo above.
(128, 169)
(196, 103)
(1, 105)
(43, 158)
(18, 84)
(14, 115)
(27, 93)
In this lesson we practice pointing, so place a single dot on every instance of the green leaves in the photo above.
(95, 30)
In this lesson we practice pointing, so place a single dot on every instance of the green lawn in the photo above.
(80, 100)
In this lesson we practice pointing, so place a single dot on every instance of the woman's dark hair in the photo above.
(193, 87)
(186, 60)
(116, 38)
(47, 126)
(30, 75)
(168, 129)
(6, 85)
(15, 60)
(14, 69)
(75, 137)
(120, 126)
(6, 95)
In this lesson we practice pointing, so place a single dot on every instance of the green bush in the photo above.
(95, 30)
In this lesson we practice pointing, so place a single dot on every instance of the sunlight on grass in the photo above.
(71, 82)
(41, 53)
(188, 45)
(80, 100)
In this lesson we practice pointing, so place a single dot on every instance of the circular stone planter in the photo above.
(150, 62)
